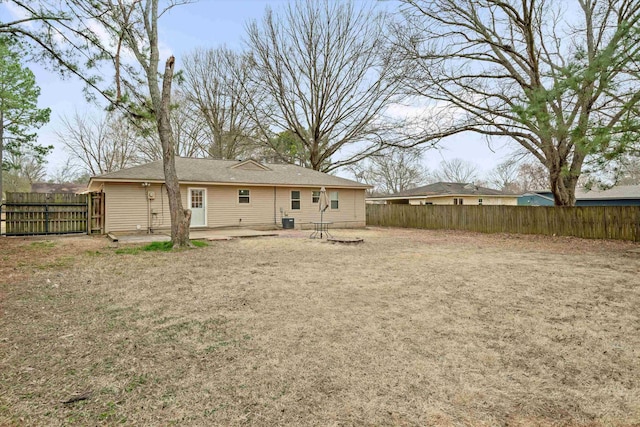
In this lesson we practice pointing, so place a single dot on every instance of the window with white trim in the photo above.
(315, 196)
(295, 200)
(334, 200)
(480, 202)
(244, 196)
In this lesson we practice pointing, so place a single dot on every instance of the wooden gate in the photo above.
(96, 213)
(27, 214)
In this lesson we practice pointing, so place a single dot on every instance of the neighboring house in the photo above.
(68, 187)
(622, 195)
(226, 193)
(536, 198)
(448, 193)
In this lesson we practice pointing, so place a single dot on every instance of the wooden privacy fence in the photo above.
(52, 213)
(591, 222)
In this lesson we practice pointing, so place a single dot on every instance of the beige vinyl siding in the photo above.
(126, 207)
(350, 212)
(224, 210)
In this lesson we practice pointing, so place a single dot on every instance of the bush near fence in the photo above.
(591, 222)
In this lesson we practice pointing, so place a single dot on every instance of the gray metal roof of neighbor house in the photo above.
(209, 171)
(619, 192)
(447, 189)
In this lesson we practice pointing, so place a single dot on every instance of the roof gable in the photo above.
(250, 164)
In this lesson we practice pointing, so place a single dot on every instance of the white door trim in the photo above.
(204, 204)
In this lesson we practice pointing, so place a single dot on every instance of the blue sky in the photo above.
(211, 23)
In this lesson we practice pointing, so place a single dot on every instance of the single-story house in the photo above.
(227, 193)
(536, 198)
(622, 195)
(448, 193)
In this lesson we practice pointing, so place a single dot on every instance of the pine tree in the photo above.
(19, 114)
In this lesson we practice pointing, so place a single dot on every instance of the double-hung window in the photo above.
(244, 196)
(315, 196)
(334, 200)
(295, 200)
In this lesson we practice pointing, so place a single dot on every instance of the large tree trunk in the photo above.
(564, 174)
(180, 217)
(564, 192)
(563, 185)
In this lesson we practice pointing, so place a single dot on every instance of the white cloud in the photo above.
(165, 52)
(17, 13)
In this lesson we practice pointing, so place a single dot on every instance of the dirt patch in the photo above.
(23, 256)
(410, 328)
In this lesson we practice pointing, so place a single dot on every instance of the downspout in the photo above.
(146, 194)
(275, 214)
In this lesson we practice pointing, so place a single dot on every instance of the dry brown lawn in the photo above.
(410, 328)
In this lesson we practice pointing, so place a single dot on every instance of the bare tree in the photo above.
(100, 144)
(533, 176)
(26, 165)
(14, 181)
(190, 132)
(618, 170)
(456, 170)
(392, 170)
(559, 78)
(320, 66)
(21, 169)
(188, 129)
(69, 172)
(215, 83)
(505, 176)
(629, 171)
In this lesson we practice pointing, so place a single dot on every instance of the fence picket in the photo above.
(592, 222)
(52, 213)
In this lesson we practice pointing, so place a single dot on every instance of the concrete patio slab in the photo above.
(235, 232)
(195, 235)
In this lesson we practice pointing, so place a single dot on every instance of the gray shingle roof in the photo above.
(450, 188)
(619, 192)
(222, 171)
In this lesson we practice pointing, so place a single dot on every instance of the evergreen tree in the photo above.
(19, 114)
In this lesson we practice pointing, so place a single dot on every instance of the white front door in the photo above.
(198, 206)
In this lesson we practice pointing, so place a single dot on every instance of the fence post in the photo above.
(46, 218)
(89, 214)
